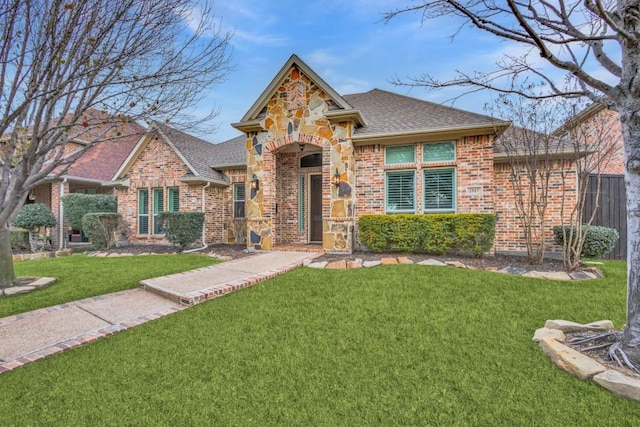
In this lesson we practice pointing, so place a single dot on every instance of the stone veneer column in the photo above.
(338, 227)
(260, 193)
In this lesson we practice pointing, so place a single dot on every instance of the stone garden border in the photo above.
(551, 339)
(42, 255)
(585, 273)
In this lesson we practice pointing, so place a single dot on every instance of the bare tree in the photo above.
(597, 44)
(128, 59)
(535, 157)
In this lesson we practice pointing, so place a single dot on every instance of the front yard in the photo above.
(392, 345)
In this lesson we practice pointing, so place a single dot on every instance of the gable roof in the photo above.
(197, 154)
(230, 153)
(250, 120)
(100, 161)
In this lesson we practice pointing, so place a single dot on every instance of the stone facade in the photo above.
(294, 125)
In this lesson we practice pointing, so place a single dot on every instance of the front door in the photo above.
(315, 208)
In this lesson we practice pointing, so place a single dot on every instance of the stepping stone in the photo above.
(43, 282)
(432, 262)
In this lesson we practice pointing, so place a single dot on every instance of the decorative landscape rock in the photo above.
(319, 264)
(432, 262)
(555, 275)
(357, 263)
(581, 365)
(513, 270)
(456, 264)
(340, 264)
(404, 260)
(388, 261)
(570, 360)
(619, 384)
(568, 326)
(369, 264)
(543, 333)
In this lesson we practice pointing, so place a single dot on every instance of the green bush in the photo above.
(101, 227)
(77, 205)
(182, 228)
(19, 239)
(34, 216)
(599, 240)
(467, 234)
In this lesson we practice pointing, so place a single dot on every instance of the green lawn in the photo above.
(392, 345)
(82, 277)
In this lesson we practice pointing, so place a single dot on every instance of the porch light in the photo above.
(301, 147)
(255, 183)
(335, 179)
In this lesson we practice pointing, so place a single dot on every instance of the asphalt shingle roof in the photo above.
(388, 112)
(198, 152)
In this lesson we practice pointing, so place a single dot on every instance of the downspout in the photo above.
(61, 214)
(204, 224)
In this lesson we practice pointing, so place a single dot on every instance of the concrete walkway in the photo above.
(28, 337)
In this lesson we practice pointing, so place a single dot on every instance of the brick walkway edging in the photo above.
(94, 335)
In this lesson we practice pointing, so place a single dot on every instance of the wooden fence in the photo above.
(612, 211)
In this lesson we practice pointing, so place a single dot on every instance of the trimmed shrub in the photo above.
(34, 216)
(182, 228)
(599, 240)
(467, 234)
(101, 227)
(19, 239)
(77, 205)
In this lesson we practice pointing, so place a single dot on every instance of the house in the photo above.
(310, 162)
(109, 145)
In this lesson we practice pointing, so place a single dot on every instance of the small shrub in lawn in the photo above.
(182, 228)
(101, 227)
(599, 240)
(469, 234)
(77, 205)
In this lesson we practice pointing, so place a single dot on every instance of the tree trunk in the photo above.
(7, 274)
(630, 120)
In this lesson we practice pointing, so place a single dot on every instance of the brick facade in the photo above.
(158, 166)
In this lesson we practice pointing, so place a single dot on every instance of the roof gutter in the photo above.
(431, 135)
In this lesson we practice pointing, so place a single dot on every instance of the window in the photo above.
(158, 208)
(238, 200)
(401, 154)
(173, 204)
(400, 191)
(439, 190)
(440, 152)
(143, 211)
(302, 197)
(311, 160)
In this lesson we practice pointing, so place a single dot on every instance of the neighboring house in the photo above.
(597, 123)
(90, 170)
(169, 170)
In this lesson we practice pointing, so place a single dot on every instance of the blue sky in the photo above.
(348, 45)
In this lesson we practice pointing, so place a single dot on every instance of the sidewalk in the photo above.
(28, 337)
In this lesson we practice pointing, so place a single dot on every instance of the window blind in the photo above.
(400, 191)
(439, 190)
